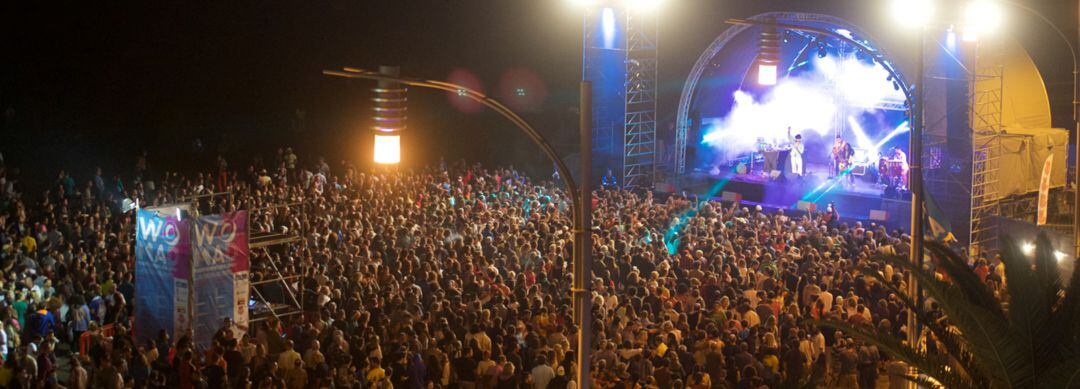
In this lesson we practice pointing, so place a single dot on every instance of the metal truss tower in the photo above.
(986, 100)
(620, 59)
(639, 128)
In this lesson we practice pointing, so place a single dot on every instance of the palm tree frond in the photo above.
(961, 275)
(927, 364)
(1001, 353)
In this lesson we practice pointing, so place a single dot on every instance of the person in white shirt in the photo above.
(797, 149)
(826, 298)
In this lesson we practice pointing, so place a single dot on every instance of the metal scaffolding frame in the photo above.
(292, 297)
(624, 118)
(639, 126)
(986, 106)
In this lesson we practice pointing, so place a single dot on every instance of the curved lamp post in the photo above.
(580, 195)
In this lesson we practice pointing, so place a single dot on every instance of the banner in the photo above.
(220, 255)
(162, 254)
(1044, 189)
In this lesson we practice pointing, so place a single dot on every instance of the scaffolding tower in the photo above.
(620, 60)
(986, 101)
(639, 127)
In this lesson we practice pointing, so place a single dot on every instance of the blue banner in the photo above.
(220, 255)
(162, 252)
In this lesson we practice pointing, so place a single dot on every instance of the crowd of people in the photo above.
(455, 276)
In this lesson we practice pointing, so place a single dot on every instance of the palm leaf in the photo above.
(1029, 307)
(999, 351)
(1064, 319)
(1046, 267)
(926, 364)
(952, 343)
(974, 290)
(1065, 374)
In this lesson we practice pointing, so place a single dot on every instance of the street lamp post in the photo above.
(916, 180)
(583, 244)
(580, 196)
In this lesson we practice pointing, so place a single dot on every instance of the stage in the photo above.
(859, 200)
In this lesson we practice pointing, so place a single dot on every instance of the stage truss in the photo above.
(624, 118)
(986, 102)
(639, 128)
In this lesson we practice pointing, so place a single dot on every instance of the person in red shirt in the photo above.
(982, 269)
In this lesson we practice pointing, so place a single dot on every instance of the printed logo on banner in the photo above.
(221, 254)
(161, 256)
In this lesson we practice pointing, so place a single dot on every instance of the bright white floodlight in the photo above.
(1027, 248)
(766, 74)
(643, 5)
(387, 149)
(912, 13)
(982, 17)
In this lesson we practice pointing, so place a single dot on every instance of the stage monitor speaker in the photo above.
(878, 215)
(859, 170)
(807, 206)
(731, 196)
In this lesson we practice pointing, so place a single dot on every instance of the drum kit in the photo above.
(891, 172)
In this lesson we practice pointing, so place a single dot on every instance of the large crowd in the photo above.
(455, 276)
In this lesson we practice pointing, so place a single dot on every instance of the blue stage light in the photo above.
(607, 25)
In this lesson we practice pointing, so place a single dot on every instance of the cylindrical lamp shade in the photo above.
(768, 53)
(387, 149)
(390, 116)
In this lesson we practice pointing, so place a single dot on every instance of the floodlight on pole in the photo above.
(912, 13)
(981, 17)
(390, 107)
(633, 5)
(642, 5)
(583, 3)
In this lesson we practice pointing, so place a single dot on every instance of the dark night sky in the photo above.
(93, 83)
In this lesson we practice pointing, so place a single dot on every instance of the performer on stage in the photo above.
(797, 149)
(900, 158)
(842, 152)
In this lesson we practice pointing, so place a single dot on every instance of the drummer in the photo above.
(899, 158)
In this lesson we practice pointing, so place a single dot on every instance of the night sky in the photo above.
(92, 84)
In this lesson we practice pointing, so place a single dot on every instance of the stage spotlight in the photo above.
(981, 17)
(912, 13)
(895, 85)
(821, 52)
(1027, 248)
(1060, 255)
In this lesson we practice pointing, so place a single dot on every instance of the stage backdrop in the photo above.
(220, 254)
(162, 268)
